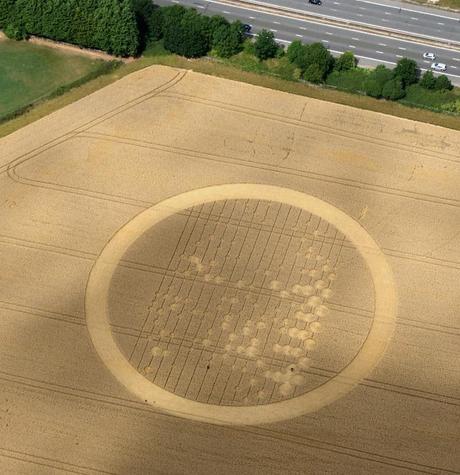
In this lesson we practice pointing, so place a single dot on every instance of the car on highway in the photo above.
(315, 2)
(428, 55)
(438, 66)
(247, 28)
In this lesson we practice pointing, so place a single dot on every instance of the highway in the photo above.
(396, 16)
(370, 48)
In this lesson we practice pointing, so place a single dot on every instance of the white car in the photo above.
(431, 56)
(439, 66)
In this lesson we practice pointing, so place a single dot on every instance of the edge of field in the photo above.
(209, 67)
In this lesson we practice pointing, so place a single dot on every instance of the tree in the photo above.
(227, 39)
(393, 89)
(6, 12)
(172, 16)
(317, 54)
(109, 25)
(149, 21)
(124, 40)
(212, 24)
(187, 37)
(428, 81)
(377, 78)
(345, 62)
(443, 83)
(265, 45)
(407, 71)
(295, 52)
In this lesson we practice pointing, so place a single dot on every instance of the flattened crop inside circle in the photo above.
(98, 319)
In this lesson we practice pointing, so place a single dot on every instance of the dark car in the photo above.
(315, 2)
(247, 28)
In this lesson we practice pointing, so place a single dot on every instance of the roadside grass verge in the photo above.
(273, 74)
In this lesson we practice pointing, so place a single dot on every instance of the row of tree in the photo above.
(108, 25)
(186, 32)
(126, 27)
(315, 63)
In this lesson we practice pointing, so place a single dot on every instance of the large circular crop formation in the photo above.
(249, 318)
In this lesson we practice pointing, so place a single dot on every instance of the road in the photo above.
(370, 48)
(444, 26)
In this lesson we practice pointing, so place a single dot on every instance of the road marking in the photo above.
(382, 44)
(355, 39)
(274, 31)
(454, 67)
(414, 41)
(408, 10)
(399, 56)
(351, 46)
(300, 36)
(227, 13)
(400, 47)
(380, 52)
(325, 41)
(442, 24)
(277, 22)
(328, 33)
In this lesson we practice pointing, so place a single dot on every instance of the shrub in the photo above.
(15, 32)
(314, 73)
(265, 45)
(407, 71)
(345, 62)
(453, 107)
(373, 85)
(428, 80)
(393, 89)
(352, 80)
(443, 83)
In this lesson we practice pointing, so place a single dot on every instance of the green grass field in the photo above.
(29, 73)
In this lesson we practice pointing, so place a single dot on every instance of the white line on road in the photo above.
(408, 10)
(419, 41)
(300, 36)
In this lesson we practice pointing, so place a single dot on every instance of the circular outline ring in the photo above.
(98, 322)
